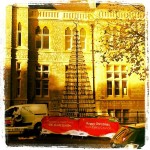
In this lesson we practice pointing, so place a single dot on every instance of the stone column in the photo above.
(20, 53)
(7, 62)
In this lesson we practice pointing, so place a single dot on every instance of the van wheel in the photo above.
(38, 128)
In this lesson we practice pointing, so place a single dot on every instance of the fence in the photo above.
(131, 117)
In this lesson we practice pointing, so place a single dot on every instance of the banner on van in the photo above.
(80, 127)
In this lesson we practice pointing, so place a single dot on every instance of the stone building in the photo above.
(39, 41)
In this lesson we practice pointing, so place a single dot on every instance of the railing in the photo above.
(47, 14)
(120, 15)
(127, 111)
(99, 14)
(132, 117)
(121, 104)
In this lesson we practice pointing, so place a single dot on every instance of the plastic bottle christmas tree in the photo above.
(78, 97)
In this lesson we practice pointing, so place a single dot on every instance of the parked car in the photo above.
(31, 116)
(129, 136)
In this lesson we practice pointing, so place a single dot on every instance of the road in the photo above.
(58, 141)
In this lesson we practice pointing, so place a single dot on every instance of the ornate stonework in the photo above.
(99, 14)
(22, 54)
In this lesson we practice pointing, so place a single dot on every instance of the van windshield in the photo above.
(9, 112)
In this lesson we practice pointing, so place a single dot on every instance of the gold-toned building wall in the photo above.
(16, 54)
(21, 61)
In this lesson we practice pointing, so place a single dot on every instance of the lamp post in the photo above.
(77, 78)
(93, 59)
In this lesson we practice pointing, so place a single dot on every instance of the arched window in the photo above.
(67, 38)
(75, 33)
(76, 38)
(19, 34)
(121, 37)
(38, 30)
(70, 38)
(82, 38)
(42, 38)
(45, 38)
(107, 36)
(38, 37)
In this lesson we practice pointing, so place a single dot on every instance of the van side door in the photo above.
(28, 116)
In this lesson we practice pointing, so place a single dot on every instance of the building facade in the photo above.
(39, 42)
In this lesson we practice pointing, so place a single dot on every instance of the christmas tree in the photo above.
(78, 97)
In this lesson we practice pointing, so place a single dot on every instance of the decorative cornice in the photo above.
(84, 16)
(22, 54)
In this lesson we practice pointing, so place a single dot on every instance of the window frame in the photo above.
(68, 39)
(116, 76)
(84, 37)
(71, 35)
(19, 40)
(18, 79)
(40, 36)
(41, 76)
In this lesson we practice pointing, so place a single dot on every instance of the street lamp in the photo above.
(77, 78)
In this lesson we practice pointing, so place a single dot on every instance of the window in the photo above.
(124, 87)
(125, 115)
(111, 112)
(112, 38)
(67, 38)
(19, 34)
(82, 38)
(122, 36)
(45, 38)
(117, 88)
(109, 87)
(107, 34)
(42, 38)
(108, 37)
(38, 37)
(42, 80)
(116, 80)
(115, 38)
(18, 72)
(118, 114)
(74, 40)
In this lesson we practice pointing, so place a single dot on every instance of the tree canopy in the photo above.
(125, 41)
